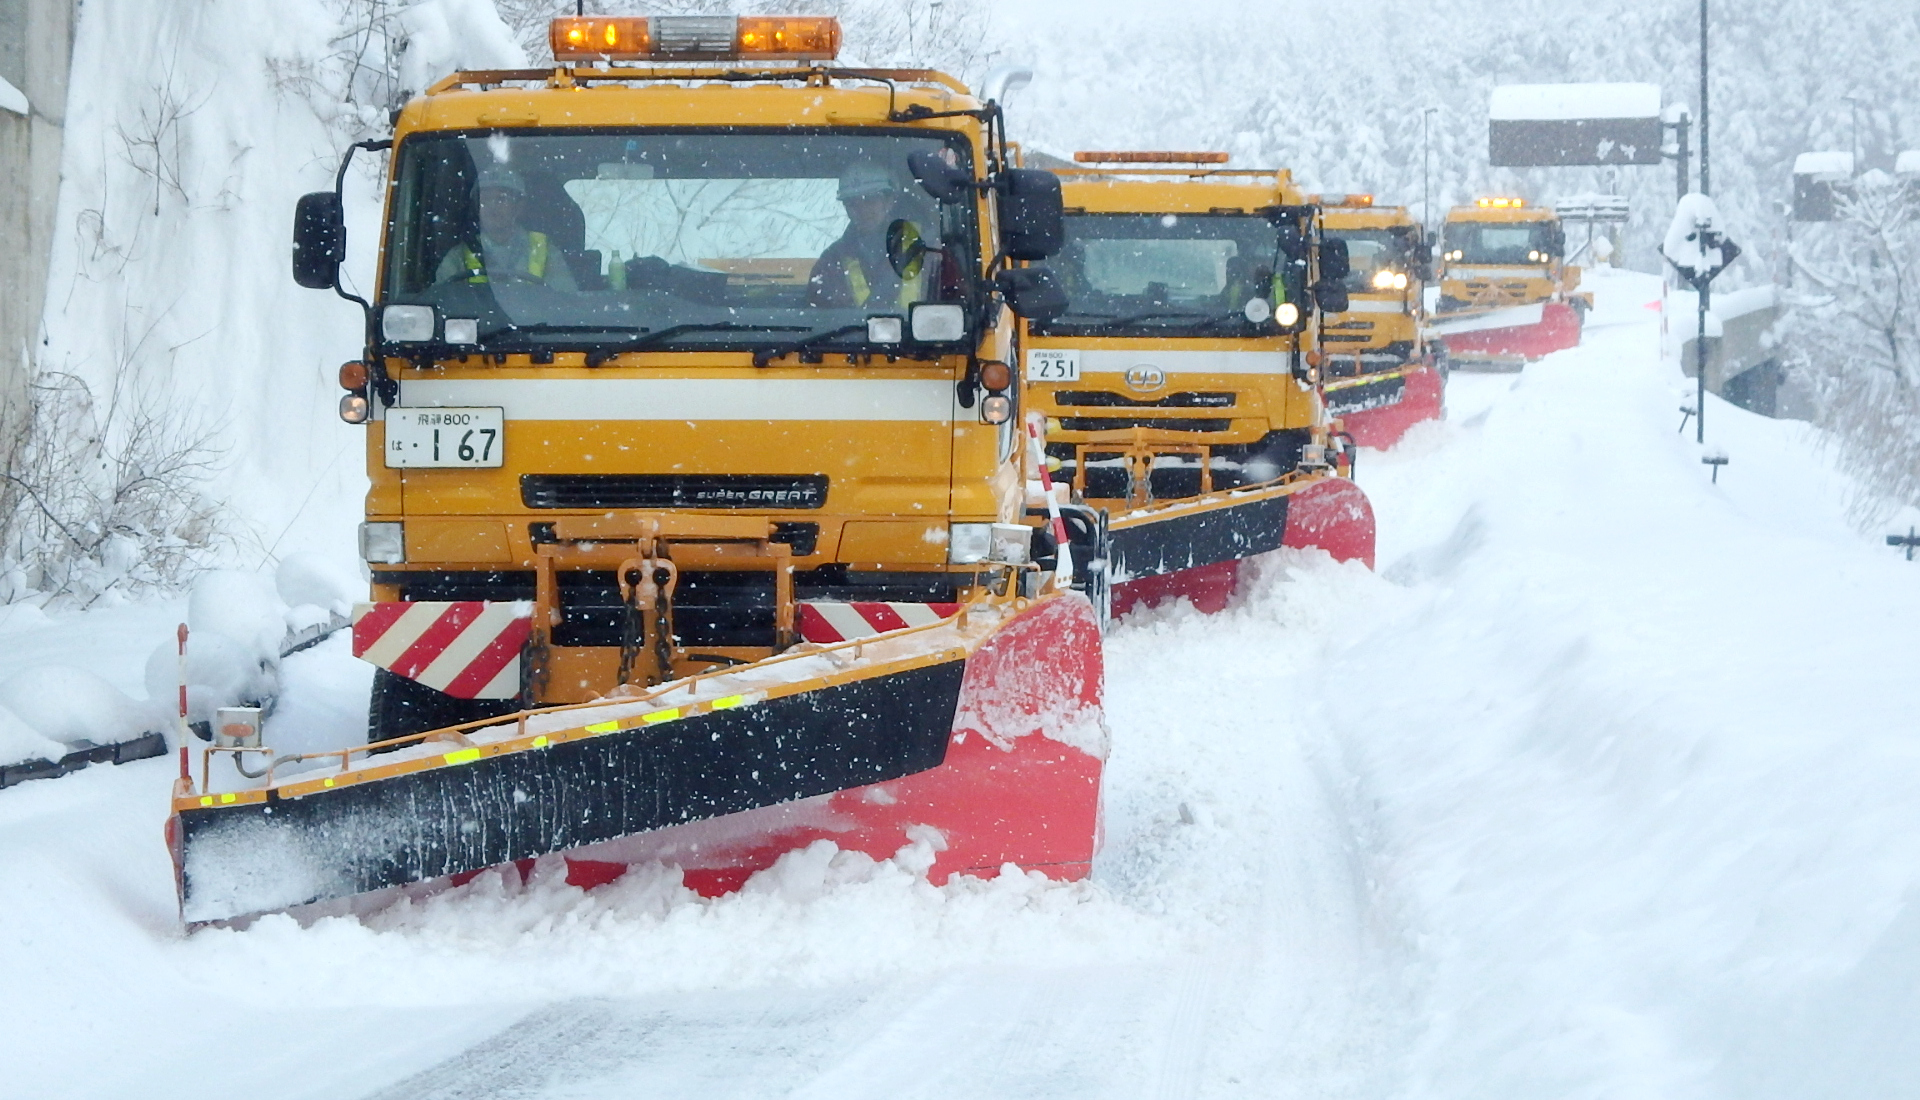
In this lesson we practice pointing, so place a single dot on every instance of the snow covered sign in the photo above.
(1816, 178)
(1543, 125)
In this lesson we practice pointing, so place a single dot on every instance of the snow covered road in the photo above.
(1603, 787)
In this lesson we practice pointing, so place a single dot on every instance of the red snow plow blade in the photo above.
(1490, 338)
(980, 735)
(1376, 410)
(1193, 549)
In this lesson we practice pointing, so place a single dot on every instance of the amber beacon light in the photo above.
(695, 38)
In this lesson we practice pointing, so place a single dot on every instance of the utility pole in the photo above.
(1854, 149)
(1705, 189)
(1426, 171)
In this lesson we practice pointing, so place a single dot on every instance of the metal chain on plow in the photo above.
(646, 620)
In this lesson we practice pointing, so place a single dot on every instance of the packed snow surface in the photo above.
(1560, 102)
(1602, 786)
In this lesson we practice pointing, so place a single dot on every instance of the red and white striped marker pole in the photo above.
(186, 770)
(1064, 570)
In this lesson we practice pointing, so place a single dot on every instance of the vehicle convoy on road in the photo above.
(1178, 384)
(700, 524)
(1507, 294)
(1377, 374)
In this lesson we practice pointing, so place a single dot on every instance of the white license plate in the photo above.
(1053, 365)
(445, 437)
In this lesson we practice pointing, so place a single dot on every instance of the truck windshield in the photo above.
(1163, 273)
(1371, 251)
(702, 239)
(1508, 243)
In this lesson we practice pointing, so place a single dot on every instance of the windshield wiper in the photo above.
(767, 355)
(1116, 321)
(655, 339)
(632, 331)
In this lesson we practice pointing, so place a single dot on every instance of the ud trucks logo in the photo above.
(1145, 378)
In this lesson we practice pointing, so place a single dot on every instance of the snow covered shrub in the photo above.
(98, 499)
(1855, 333)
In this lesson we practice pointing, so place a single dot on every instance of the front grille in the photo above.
(674, 490)
(1103, 399)
(1112, 423)
(1343, 338)
(1357, 325)
(1177, 476)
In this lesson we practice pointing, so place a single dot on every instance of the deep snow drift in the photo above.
(1600, 788)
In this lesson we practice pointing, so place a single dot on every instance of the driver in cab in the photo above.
(854, 271)
(504, 251)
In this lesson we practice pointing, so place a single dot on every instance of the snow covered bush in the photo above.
(1855, 333)
(105, 498)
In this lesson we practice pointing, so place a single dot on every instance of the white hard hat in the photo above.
(865, 178)
(500, 179)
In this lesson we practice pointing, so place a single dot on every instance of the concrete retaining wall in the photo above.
(36, 51)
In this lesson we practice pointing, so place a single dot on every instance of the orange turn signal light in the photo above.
(353, 375)
(995, 375)
(1344, 200)
(1112, 157)
(694, 38)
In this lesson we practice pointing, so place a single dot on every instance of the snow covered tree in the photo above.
(1855, 332)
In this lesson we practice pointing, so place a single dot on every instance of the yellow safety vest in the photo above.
(536, 260)
(862, 289)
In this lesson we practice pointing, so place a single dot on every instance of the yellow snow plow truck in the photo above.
(1178, 385)
(700, 525)
(1378, 377)
(1507, 294)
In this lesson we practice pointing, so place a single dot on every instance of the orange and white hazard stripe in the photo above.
(823, 622)
(469, 649)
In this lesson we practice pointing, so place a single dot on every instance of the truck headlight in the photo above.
(968, 543)
(996, 409)
(407, 324)
(383, 543)
(1287, 314)
(937, 322)
(883, 330)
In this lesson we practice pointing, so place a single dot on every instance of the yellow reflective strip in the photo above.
(463, 756)
(540, 742)
(226, 799)
(206, 800)
(327, 783)
(667, 715)
(729, 702)
(603, 727)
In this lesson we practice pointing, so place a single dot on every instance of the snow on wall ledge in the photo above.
(169, 286)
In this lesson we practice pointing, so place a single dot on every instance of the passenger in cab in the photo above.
(504, 251)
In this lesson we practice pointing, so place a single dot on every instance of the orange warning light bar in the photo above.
(1150, 158)
(695, 38)
(1501, 203)
(1344, 200)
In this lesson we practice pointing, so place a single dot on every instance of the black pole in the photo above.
(1704, 188)
(1700, 366)
(1685, 123)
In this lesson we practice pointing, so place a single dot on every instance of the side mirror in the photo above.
(319, 240)
(938, 178)
(1423, 261)
(1331, 296)
(1334, 264)
(1032, 292)
(905, 248)
(1033, 222)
